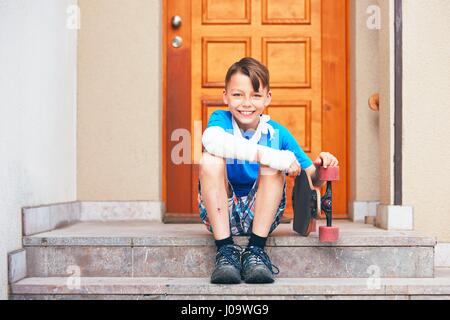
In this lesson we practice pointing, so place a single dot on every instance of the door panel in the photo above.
(288, 37)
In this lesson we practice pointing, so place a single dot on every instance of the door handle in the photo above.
(176, 21)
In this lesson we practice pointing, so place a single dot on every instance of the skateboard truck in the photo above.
(308, 203)
(328, 233)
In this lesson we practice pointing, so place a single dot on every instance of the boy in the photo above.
(242, 189)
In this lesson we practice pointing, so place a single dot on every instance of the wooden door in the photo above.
(304, 45)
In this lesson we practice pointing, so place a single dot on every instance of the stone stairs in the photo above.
(162, 288)
(147, 260)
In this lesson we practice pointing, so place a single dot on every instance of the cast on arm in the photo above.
(223, 144)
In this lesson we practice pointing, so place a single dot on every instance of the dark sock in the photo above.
(256, 240)
(224, 242)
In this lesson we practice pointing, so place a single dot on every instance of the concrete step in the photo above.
(201, 288)
(145, 249)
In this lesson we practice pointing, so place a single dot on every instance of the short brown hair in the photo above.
(252, 68)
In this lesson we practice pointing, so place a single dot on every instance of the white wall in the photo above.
(37, 113)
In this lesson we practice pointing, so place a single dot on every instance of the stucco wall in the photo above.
(38, 113)
(364, 74)
(386, 53)
(119, 100)
(426, 116)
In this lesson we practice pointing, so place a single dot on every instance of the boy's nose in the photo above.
(246, 102)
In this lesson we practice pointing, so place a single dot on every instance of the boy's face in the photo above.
(245, 105)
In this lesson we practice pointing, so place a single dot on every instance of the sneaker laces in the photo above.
(227, 254)
(259, 255)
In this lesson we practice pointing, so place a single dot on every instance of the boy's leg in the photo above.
(214, 185)
(256, 264)
(269, 195)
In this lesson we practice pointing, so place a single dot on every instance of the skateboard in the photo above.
(307, 203)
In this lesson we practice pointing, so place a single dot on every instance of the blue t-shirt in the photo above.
(242, 174)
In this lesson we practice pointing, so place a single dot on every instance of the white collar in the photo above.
(263, 128)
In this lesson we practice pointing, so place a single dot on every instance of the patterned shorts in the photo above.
(241, 211)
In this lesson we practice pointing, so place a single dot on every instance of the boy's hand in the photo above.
(326, 159)
(295, 169)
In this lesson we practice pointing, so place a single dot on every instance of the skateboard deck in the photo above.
(306, 204)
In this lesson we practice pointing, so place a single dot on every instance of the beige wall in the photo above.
(386, 50)
(119, 100)
(364, 149)
(426, 116)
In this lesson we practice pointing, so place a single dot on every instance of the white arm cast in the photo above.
(225, 145)
(276, 159)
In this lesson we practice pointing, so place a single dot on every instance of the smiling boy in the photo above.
(242, 185)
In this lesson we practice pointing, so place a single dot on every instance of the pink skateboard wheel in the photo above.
(329, 174)
(328, 234)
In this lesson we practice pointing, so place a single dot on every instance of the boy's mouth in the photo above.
(246, 113)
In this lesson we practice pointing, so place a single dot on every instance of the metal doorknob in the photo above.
(176, 21)
(177, 42)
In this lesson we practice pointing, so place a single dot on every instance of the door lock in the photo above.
(177, 42)
(176, 21)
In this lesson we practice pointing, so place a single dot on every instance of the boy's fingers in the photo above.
(326, 159)
(334, 162)
(329, 162)
(324, 162)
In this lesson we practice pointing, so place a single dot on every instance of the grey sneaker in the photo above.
(257, 267)
(228, 265)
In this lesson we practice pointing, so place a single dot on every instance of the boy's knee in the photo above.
(211, 165)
